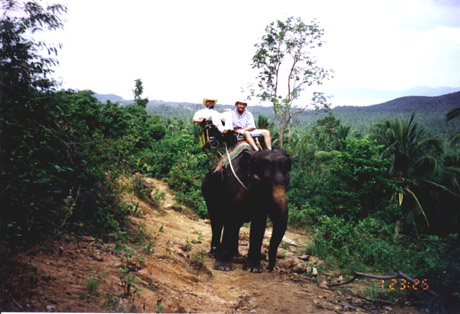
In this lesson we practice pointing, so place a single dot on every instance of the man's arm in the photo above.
(248, 129)
(200, 116)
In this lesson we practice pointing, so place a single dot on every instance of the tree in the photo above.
(418, 163)
(138, 90)
(284, 55)
(26, 119)
(23, 67)
(413, 154)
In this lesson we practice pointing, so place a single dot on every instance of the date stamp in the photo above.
(403, 284)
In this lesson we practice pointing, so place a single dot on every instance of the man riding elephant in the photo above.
(243, 123)
(223, 122)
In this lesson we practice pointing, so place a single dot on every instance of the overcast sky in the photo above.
(188, 50)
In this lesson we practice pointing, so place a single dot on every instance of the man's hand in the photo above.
(198, 120)
(241, 130)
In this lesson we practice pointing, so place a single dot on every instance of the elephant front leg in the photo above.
(227, 250)
(255, 244)
(216, 227)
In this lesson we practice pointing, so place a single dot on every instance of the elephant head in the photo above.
(269, 168)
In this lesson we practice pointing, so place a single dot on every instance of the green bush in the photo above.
(62, 157)
(436, 259)
(369, 246)
(351, 202)
(305, 217)
(352, 184)
(354, 246)
(179, 161)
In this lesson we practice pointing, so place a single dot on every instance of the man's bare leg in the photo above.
(250, 140)
(267, 139)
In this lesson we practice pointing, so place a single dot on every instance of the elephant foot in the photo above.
(222, 265)
(253, 268)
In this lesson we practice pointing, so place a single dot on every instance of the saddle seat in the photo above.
(214, 143)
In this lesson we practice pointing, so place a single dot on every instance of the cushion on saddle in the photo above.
(235, 152)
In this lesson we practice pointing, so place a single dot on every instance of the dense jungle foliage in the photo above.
(372, 200)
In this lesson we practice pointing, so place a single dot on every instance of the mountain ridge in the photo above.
(409, 103)
(410, 98)
(376, 93)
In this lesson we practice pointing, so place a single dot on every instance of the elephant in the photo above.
(264, 177)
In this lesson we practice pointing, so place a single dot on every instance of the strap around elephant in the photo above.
(233, 170)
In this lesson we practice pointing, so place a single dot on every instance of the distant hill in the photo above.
(375, 93)
(429, 112)
(104, 97)
(413, 103)
(171, 103)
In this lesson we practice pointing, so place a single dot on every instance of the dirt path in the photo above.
(175, 275)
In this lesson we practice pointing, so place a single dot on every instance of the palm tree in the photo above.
(412, 153)
(263, 123)
(415, 158)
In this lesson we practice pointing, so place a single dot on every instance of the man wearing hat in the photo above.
(221, 121)
(243, 123)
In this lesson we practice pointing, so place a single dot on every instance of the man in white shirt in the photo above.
(223, 122)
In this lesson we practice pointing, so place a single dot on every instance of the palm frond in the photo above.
(428, 163)
(419, 205)
(453, 169)
(442, 187)
(454, 139)
(433, 143)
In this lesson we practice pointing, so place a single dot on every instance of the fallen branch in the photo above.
(358, 274)
(376, 276)
(342, 283)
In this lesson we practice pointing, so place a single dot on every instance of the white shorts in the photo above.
(256, 131)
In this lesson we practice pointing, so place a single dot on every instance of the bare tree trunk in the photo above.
(280, 137)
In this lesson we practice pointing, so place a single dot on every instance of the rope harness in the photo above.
(233, 170)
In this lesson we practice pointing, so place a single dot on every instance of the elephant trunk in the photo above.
(279, 197)
(279, 217)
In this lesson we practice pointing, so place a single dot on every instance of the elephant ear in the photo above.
(248, 152)
(288, 158)
(289, 161)
(247, 161)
